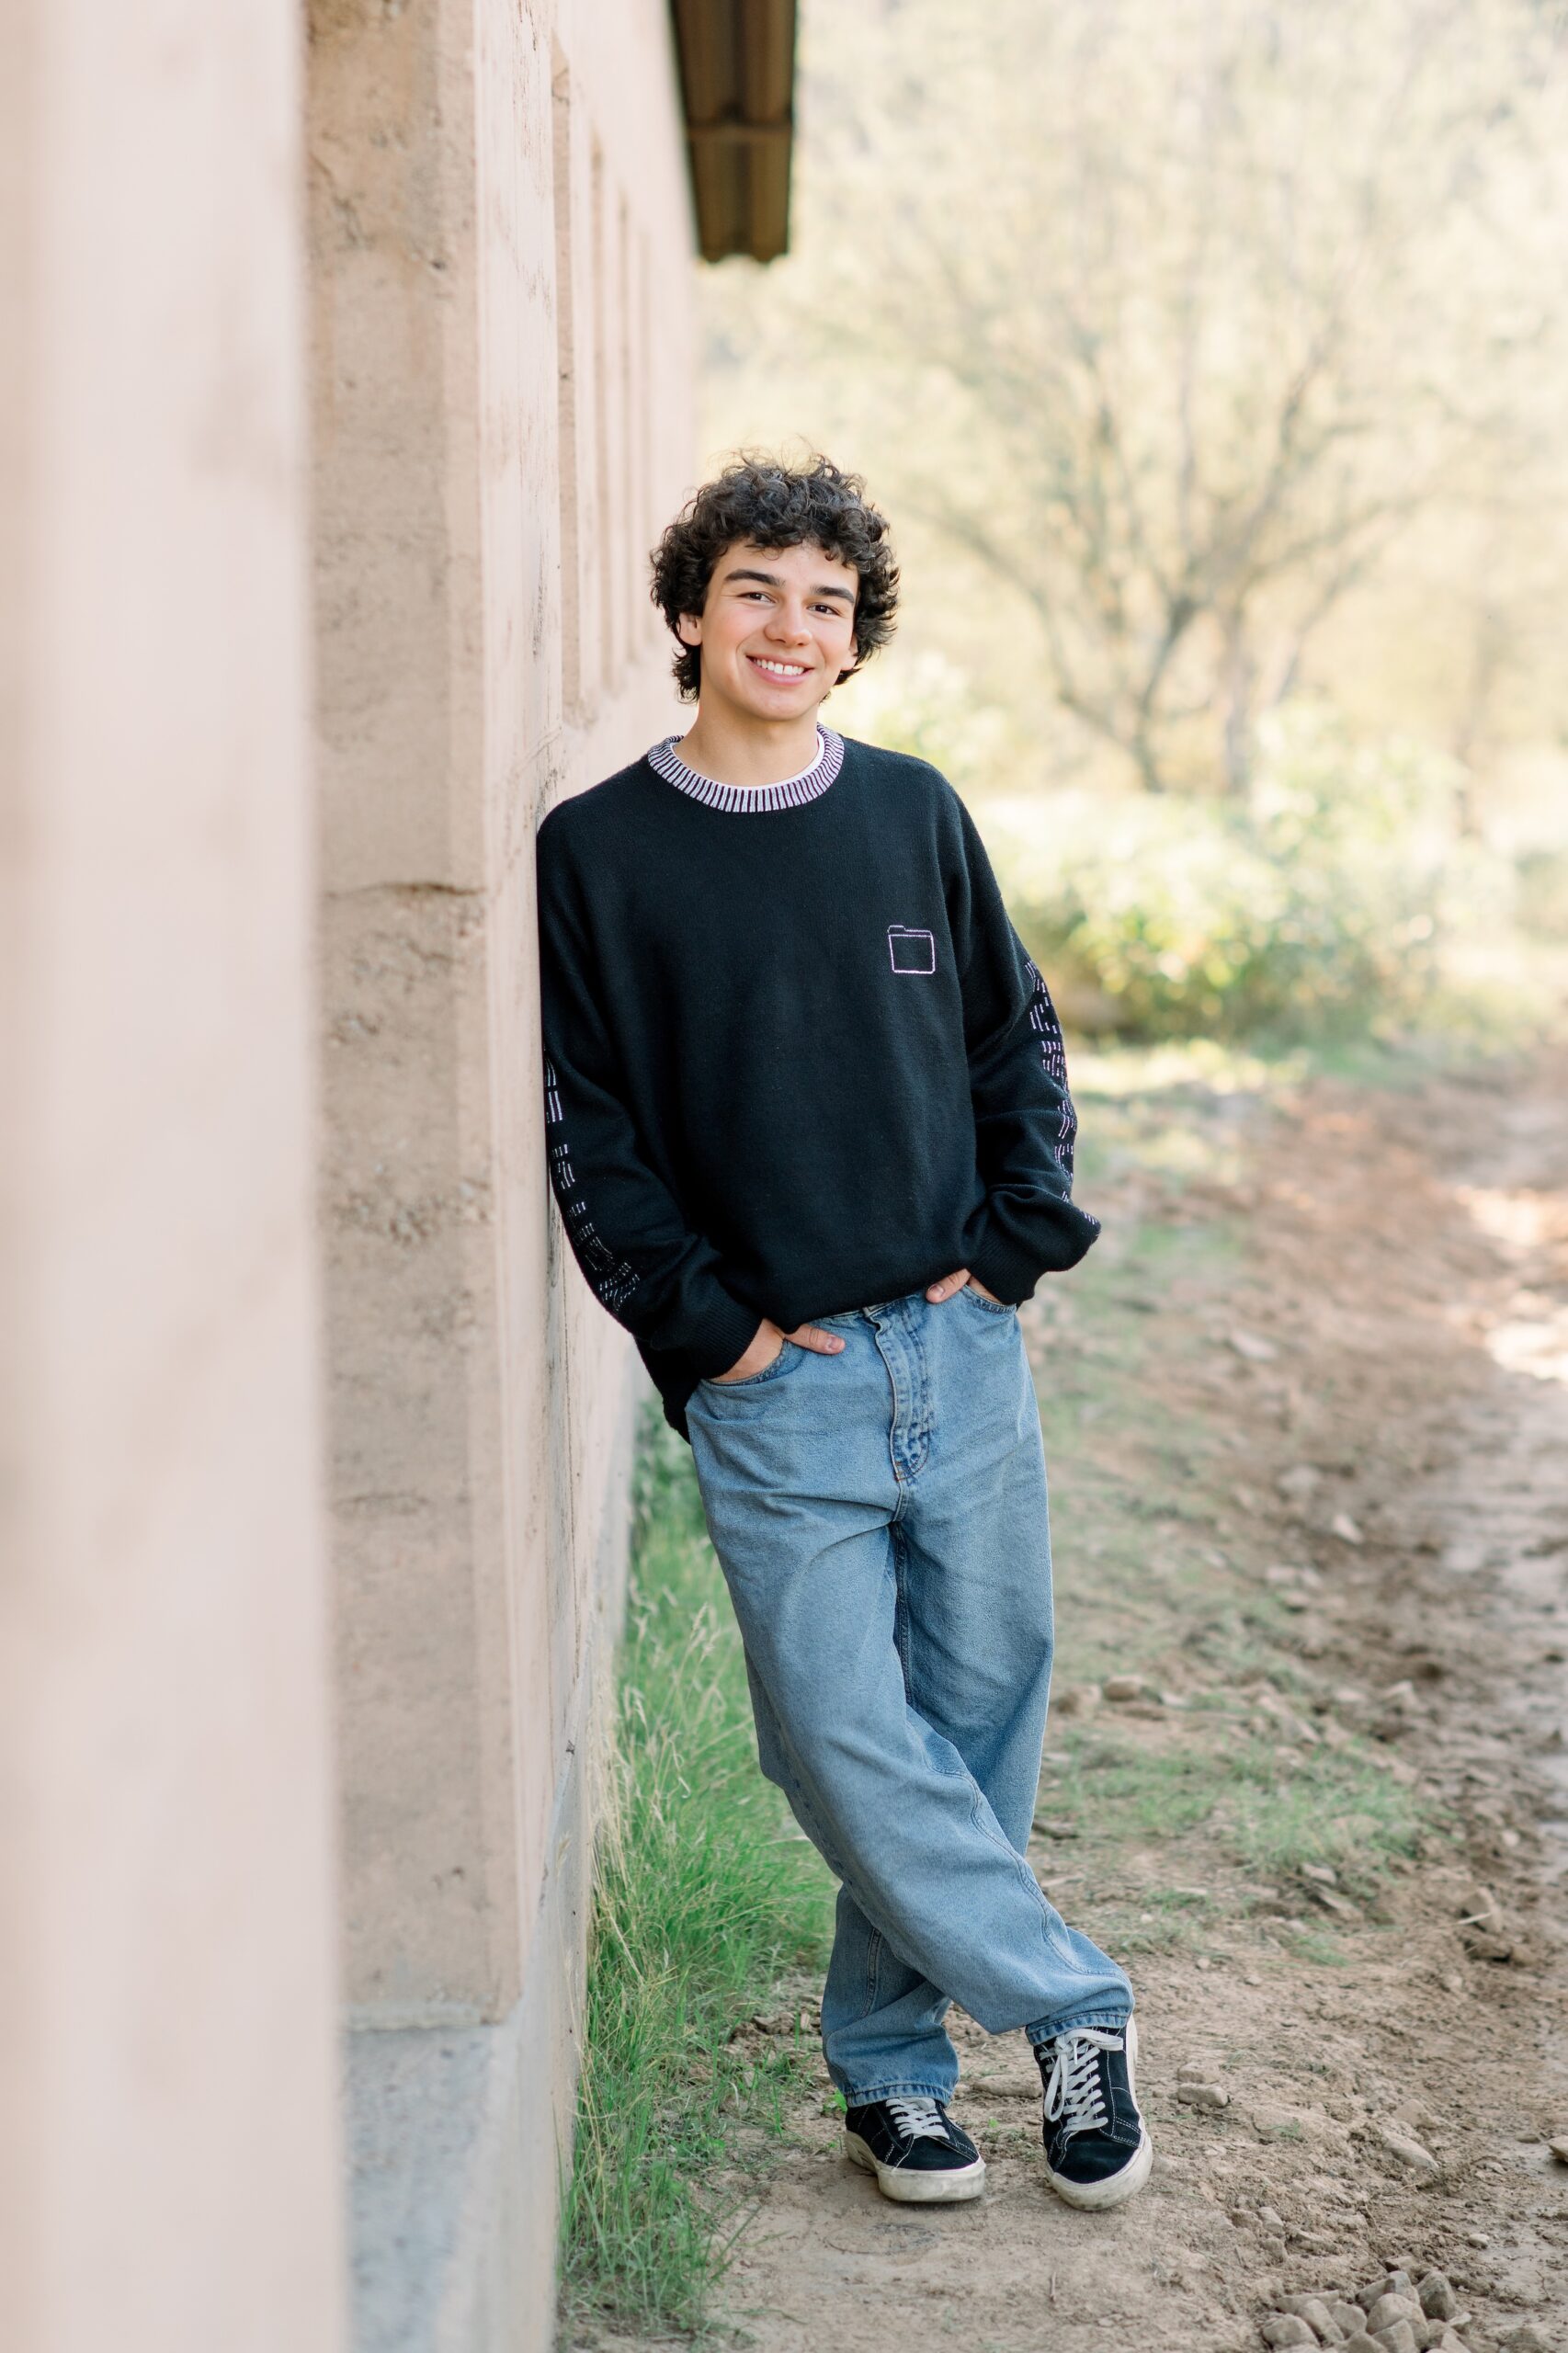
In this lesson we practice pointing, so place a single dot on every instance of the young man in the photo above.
(810, 1131)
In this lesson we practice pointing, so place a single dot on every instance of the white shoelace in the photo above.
(1073, 2087)
(917, 2120)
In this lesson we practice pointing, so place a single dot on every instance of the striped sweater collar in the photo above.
(665, 761)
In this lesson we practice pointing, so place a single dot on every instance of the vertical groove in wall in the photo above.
(631, 506)
(606, 519)
(21, 1992)
(566, 377)
(648, 521)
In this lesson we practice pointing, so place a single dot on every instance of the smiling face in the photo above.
(777, 631)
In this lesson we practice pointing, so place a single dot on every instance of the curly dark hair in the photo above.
(770, 504)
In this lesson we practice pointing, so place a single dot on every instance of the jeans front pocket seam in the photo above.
(987, 1306)
(753, 1380)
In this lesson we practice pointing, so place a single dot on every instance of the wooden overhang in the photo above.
(737, 77)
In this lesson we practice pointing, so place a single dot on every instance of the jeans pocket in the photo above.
(986, 1306)
(753, 1380)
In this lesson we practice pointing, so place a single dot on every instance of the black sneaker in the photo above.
(919, 2155)
(1097, 2150)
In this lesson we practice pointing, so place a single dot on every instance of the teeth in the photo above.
(781, 670)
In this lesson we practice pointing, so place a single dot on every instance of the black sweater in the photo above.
(797, 1060)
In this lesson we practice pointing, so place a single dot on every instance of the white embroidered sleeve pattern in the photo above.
(1046, 1028)
(613, 1281)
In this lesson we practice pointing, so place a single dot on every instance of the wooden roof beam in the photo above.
(737, 72)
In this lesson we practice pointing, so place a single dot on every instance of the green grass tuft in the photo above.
(701, 1904)
(1339, 1810)
(1328, 1806)
(1313, 1945)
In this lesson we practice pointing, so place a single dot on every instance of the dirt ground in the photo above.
(1307, 1409)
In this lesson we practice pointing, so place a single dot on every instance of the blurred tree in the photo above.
(1177, 315)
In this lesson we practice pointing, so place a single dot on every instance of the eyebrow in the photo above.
(773, 580)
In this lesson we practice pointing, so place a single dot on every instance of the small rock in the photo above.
(1359, 2342)
(1298, 1482)
(1319, 2319)
(1420, 2161)
(1435, 2296)
(1077, 1700)
(1349, 2317)
(1210, 2096)
(1559, 2148)
(1275, 2121)
(1285, 2328)
(1344, 1528)
(1392, 2283)
(1248, 1344)
(1270, 2220)
(1530, 2338)
(1321, 1874)
(1398, 2338)
(1339, 1906)
(1123, 1687)
(1388, 2309)
(1048, 1827)
(1480, 1909)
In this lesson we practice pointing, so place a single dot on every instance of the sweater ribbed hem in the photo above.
(724, 1338)
(1010, 1273)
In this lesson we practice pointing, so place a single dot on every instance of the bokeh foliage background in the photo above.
(1210, 357)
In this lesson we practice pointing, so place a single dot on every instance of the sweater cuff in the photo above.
(1010, 1272)
(723, 1337)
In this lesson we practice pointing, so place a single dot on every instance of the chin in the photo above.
(763, 705)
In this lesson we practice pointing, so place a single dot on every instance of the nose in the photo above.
(787, 623)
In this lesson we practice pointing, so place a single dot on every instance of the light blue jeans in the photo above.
(881, 1520)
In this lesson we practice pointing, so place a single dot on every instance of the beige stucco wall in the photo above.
(168, 2150)
(179, 900)
(469, 161)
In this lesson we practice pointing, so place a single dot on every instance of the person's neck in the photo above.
(734, 747)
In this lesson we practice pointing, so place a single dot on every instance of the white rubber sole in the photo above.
(917, 2189)
(1096, 2197)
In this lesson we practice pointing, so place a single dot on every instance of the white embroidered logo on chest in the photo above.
(911, 951)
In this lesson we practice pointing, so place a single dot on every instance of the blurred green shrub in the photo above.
(1543, 893)
(925, 705)
(1321, 903)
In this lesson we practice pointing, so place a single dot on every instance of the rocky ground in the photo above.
(1307, 1408)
